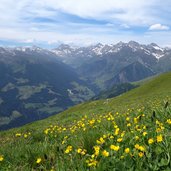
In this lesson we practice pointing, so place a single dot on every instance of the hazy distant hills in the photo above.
(35, 84)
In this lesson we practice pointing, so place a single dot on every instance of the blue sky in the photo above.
(48, 23)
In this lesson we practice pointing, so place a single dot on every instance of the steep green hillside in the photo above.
(129, 132)
(116, 90)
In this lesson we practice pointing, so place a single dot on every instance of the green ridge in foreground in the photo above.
(129, 132)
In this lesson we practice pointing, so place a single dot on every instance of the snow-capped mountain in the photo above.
(101, 63)
(28, 74)
(100, 49)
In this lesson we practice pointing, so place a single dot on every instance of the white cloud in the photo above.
(158, 27)
(28, 41)
(130, 11)
(126, 26)
(17, 20)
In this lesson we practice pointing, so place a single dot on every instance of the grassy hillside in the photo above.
(116, 90)
(129, 132)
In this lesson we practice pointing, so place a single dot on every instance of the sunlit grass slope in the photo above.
(129, 132)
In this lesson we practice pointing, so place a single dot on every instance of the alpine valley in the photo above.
(36, 83)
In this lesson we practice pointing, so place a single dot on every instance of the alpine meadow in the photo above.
(85, 85)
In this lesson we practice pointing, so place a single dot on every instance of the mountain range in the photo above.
(115, 63)
(36, 83)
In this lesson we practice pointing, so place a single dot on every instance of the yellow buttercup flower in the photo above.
(144, 133)
(122, 134)
(137, 137)
(100, 141)
(83, 152)
(115, 148)
(140, 154)
(137, 146)
(135, 120)
(159, 138)
(1, 158)
(79, 150)
(25, 135)
(117, 131)
(150, 141)
(38, 160)
(128, 125)
(91, 162)
(68, 149)
(127, 150)
(169, 121)
(46, 131)
(127, 119)
(141, 148)
(96, 149)
(18, 134)
(105, 153)
(119, 140)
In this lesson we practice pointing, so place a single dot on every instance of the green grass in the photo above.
(69, 140)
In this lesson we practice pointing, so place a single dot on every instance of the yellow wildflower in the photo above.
(115, 148)
(159, 138)
(104, 136)
(169, 121)
(141, 148)
(100, 141)
(79, 150)
(46, 131)
(25, 135)
(121, 157)
(68, 149)
(119, 140)
(140, 154)
(111, 137)
(38, 160)
(144, 133)
(135, 120)
(127, 119)
(83, 152)
(91, 162)
(128, 125)
(96, 149)
(117, 131)
(105, 153)
(137, 137)
(144, 127)
(123, 133)
(52, 169)
(1, 158)
(127, 150)
(136, 146)
(150, 141)
(18, 134)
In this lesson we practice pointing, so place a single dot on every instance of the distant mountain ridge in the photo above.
(66, 51)
(103, 63)
(35, 84)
